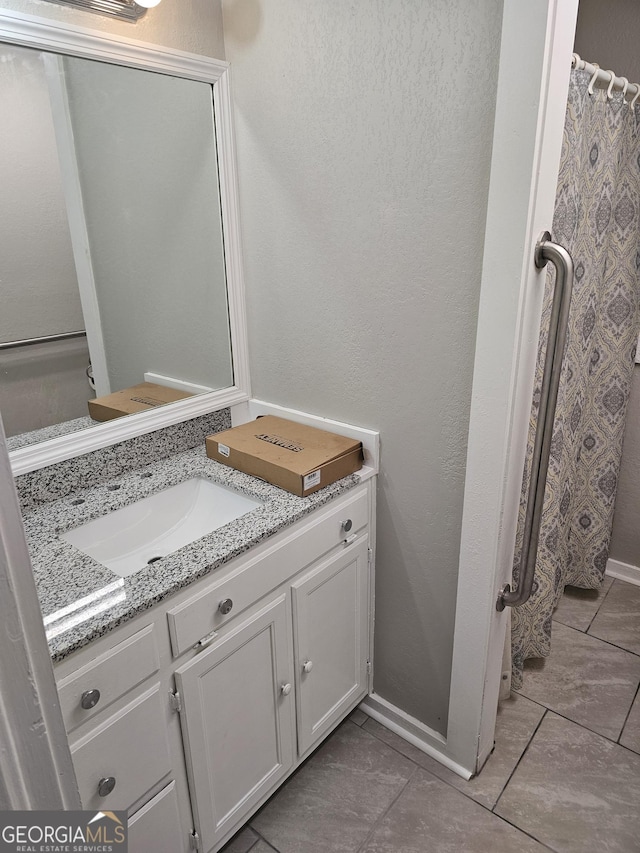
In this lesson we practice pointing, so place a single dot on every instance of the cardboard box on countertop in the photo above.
(138, 398)
(298, 458)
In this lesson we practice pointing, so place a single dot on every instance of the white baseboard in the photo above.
(177, 384)
(412, 730)
(623, 571)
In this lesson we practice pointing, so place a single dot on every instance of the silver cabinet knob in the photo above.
(89, 699)
(346, 525)
(307, 666)
(106, 786)
(225, 606)
(285, 689)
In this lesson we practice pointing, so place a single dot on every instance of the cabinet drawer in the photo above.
(155, 828)
(108, 677)
(130, 747)
(260, 575)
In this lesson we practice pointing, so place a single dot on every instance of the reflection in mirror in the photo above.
(110, 223)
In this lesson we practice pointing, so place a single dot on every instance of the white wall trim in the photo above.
(623, 571)
(63, 128)
(370, 438)
(413, 731)
(530, 111)
(232, 240)
(35, 763)
(177, 384)
(45, 34)
(60, 37)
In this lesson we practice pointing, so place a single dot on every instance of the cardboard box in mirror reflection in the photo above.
(298, 458)
(138, 398)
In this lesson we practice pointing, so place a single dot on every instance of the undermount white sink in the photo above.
(129, 539)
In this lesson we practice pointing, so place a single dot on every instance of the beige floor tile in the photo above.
(332, 803)
(630, 736)
(517, 720)
(618, 619)
(589, 681)
(431, 817)
(358, 717)
(577, 607)
(575, 791)
(242, 842)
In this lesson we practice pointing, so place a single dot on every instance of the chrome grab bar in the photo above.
(558, 325)
(46, 339)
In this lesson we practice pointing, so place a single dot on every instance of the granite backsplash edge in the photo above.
(57, 481)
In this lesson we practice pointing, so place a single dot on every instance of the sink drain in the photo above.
(153, 560)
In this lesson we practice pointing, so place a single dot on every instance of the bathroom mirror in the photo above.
(119, 227)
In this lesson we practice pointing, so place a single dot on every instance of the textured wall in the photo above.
(38, 286)
(364, 138)
(195, 27)
(44, 384)
(608, 34)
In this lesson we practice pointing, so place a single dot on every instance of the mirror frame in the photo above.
(56, 37)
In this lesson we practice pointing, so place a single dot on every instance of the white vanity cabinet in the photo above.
(228, 685)
(269, 682)
(255, 701)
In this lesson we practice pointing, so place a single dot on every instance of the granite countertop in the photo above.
(27, 439)
(81, 599)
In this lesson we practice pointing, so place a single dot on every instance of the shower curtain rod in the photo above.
(607, 79)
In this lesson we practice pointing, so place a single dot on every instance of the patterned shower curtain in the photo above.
(597, 218)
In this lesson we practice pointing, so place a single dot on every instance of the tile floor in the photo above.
(564, 776)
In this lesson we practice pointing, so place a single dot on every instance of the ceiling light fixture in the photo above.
(128, 10)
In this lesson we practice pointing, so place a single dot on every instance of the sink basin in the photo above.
(129, 539)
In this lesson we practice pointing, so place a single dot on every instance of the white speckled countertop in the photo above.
(26, 439)
(82, 600)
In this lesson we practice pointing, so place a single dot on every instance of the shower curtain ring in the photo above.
(593, 79)
(625, 86)
(636, 96)
(610, 87)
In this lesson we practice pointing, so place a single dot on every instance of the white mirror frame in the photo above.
(43, 34)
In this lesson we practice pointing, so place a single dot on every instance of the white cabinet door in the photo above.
(330, 609)
(237, 719)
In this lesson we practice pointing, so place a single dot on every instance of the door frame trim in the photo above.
(35, 763)
(530, 111)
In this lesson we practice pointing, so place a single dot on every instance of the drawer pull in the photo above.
(346, 525)
(225, 606)
(106, 786)
(205, 641)
(307, 666)
(285, 689)
(89, 699)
